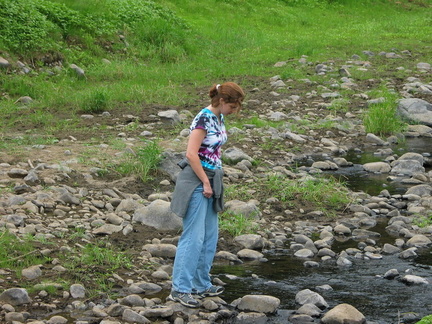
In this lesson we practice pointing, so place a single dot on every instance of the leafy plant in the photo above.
(425, 320)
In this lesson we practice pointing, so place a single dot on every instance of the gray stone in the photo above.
(259, 303)
(343, 314)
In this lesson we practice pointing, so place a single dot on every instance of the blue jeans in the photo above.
(197, 245)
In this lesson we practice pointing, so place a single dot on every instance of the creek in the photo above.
(361, 285)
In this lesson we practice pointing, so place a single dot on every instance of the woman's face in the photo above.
(227, 108)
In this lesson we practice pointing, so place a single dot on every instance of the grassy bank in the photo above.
(157, 51)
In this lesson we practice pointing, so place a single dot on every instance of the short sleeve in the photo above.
(201, 121)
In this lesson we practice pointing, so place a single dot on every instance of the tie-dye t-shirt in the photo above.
(210, 149)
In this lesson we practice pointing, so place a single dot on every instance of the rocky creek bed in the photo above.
(51, 191)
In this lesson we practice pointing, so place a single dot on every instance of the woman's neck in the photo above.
(214, 110)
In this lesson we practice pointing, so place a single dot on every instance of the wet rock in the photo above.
(308, 296)
(419, 240)
(57, 320)
(415, 280)
(381, 167)
(390, 249)
(251, 317)
(309, 309)
(304, 253)
(250, 241)
(249, 254)
(259, 303)
(372, 138)
(342, 314)
(342, 229)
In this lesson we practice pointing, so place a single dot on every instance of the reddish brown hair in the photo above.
(230, 92)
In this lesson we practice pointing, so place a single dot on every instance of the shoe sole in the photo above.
(176, 299)
(204, 295)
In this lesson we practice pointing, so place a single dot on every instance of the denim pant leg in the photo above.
(202, 280)
(190, 244)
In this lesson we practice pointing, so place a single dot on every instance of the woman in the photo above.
(198, 197)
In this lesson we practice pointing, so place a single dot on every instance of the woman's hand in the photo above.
(208, 191)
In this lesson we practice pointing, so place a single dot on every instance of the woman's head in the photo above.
(230, 92)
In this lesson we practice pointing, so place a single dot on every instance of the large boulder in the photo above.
(416, 111)
(158, 215)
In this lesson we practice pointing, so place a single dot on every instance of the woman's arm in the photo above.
(195, 139)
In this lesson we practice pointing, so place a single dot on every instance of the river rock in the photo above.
(406, 167)
(249, 254)
(251, 318)
(418, 240)
(381, 167)
(416, 280)
(343, 314)
(250, 241)
(307, 296)
(161, 250)
(420, 190)
(57, 319)
(158, 215)
(131, 316)
(15, 296)
(309, 309)
(416, 110)
(259, 303)
(391, 274)
(247, 209)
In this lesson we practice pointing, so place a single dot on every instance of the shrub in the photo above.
(24, 28)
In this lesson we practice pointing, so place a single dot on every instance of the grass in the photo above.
(160, 60)
(423, 220)
(98, 260)
(141, 162)
(236, 224)
(381, 118)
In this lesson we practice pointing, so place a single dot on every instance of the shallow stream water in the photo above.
(361, 285)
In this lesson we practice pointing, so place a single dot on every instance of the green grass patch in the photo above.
(423, 220)
(236, 224)
(381, 118)
(19, 253)
(169, 44)
(141, 162)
